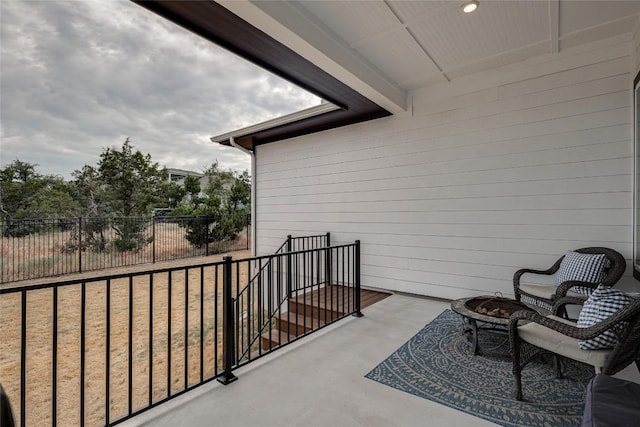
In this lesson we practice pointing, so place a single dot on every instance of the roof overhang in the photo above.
(286, 120)
(216, 23)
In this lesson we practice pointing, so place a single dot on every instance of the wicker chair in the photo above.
(6, 413)
(559, 337)
(545, 295)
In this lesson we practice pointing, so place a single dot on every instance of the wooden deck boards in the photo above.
(336, 299)
(312, 309)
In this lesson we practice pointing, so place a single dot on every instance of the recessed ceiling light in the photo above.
(470, 6)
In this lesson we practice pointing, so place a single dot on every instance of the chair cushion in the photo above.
(558, 343)
(582, 267)
(547, 292)
(601, 304)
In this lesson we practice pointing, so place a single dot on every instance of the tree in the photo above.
(173, 194)
(27, 194)
(192, 185)
(88, 193)
(131, 185)
(238, 203)
(132, 182)
(220, 211)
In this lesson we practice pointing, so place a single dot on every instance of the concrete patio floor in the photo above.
(319, 381)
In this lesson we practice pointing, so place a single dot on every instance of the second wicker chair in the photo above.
(546, 295)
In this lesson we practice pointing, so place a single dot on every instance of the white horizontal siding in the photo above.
(482, 179)
(636, 48)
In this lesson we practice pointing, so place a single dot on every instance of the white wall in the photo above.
(636, 49)
(488, 174)
(635, 69)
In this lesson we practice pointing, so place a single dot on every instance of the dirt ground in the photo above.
(147, 306)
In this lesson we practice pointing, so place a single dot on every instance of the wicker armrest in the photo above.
(558, 307)
(518, 274)
(564, 287)
(574, 331)
(538, 318)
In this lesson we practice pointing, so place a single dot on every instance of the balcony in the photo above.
(227, 319)
(320, 380)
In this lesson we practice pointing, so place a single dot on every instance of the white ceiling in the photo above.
(412, 44)
(415, 43)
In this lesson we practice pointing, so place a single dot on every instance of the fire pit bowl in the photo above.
(495, 306)
(487, 313)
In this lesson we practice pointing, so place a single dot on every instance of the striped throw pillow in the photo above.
(601, 304)
(582, 267)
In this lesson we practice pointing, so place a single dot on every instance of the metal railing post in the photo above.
(289, 266)
(356, 270)
(248, 229)
(153, 231)
(79, 244)
(206, 239)
(328, 262)
(228, 323)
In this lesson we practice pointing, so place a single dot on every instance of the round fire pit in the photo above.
(491, 312)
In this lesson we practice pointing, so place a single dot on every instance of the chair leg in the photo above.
(563, 313)
(518, 380)
(557, 366)
(517, 370)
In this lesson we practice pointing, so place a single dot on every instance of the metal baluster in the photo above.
(228, 345)
(83, 330)
(288, 300)
(304, 305)
(343, 282)
(23, 361)
(260, 303)
(250, 311)
(169, 291)
(349, 287)
(289, 272)
(130, 342)
(238, 314)
(279, 298)
(107, 363)
(150, 339)
(54, 364)
(186, 327)
(269, 302)
(215, 321)
(314, 308)
(357, 279)
(201, 323)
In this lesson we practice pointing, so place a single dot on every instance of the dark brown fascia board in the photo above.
(306, 126)
(217, 24)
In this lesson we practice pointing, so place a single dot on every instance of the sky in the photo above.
(77, 77)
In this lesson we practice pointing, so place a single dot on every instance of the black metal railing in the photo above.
(302, 243)
(285, 271)
(37, 248)
(269, 316)
(101, 350)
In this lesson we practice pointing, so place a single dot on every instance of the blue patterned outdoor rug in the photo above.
(437, 364)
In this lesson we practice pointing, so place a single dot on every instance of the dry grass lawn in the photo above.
(185, 291)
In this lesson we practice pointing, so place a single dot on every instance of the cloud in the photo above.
(78, 77)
